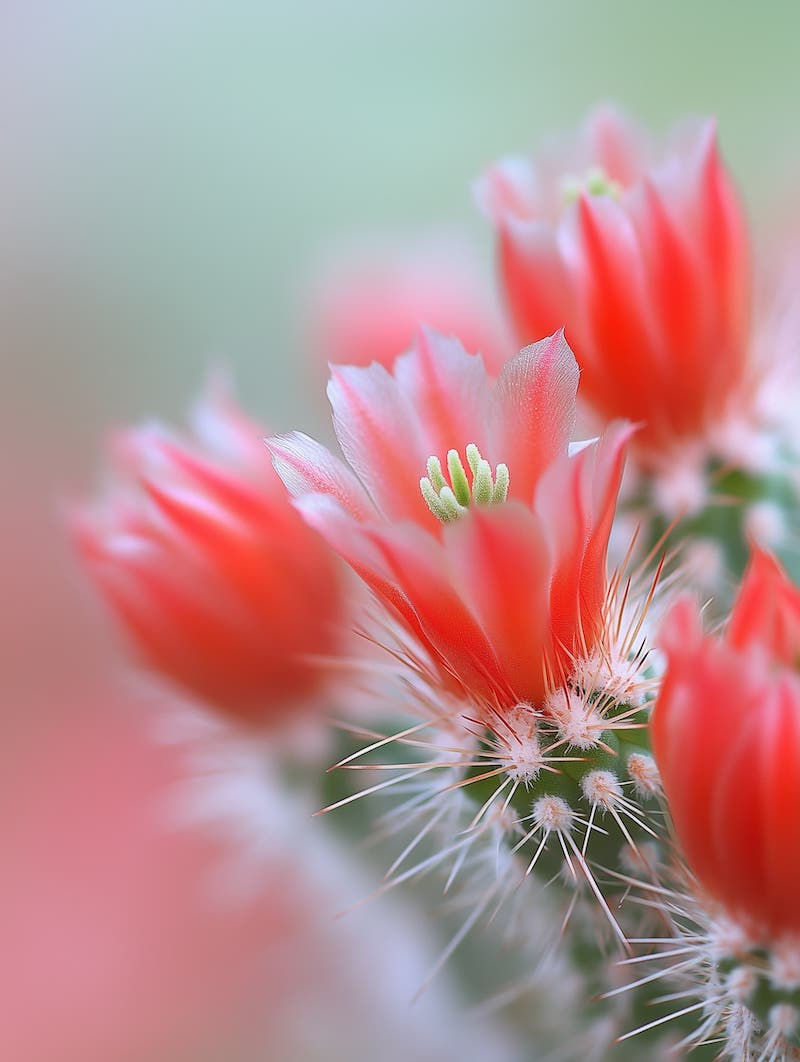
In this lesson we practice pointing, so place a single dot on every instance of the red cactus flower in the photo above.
(216, 578)
(368, 306)
(726, 734)
(642, 256)
(469, 516)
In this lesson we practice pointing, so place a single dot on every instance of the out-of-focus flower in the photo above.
(642, 255)
(216, 578)
(726, 733)
(499, 571)
(368, 305)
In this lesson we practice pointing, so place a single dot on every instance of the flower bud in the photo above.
(642, 255)
(726, 734)
(218, 581)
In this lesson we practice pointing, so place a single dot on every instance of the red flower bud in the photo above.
(218, 581)
(726, 734)
(643, 258)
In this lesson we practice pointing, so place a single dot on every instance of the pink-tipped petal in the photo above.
(448, 389)
(379, 433)
(534, 411)
(615, 143)
(308, 467)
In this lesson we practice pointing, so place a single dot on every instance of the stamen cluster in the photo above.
(449, 501)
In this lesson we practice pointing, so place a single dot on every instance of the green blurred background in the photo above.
(172, 170)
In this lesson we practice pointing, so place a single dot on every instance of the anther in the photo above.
(449, 501)
(594, 182)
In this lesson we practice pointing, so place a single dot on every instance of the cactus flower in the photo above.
(641, 254)
(368, 305)
(467, 513)
(726, 734)
(217, 580)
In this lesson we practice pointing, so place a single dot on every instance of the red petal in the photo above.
(767, 611)
(504, 566)
(448, 389)
(307, 467)
(533, 412)
(576, 502)
(379, 433)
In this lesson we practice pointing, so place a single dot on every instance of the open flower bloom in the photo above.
(726, 734)
(368, 305)
(216, 578)
(642, 256)
(469, 516)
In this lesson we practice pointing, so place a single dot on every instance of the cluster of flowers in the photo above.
(573, 710)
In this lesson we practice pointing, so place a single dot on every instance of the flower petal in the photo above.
(379, 433)
(308, 467)
(535, 279)
(534, 412)
(767, 611)
(448, 388)
(576, 502)
(504, 564)
(409, 570)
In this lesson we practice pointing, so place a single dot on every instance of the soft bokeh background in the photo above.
(170, 175)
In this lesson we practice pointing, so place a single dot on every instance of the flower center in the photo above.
(594, 182)
(449, 501)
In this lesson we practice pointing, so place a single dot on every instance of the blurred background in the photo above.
(172, 177)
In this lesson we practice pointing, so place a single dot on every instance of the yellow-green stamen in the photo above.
(449, 501)
(594, 182)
